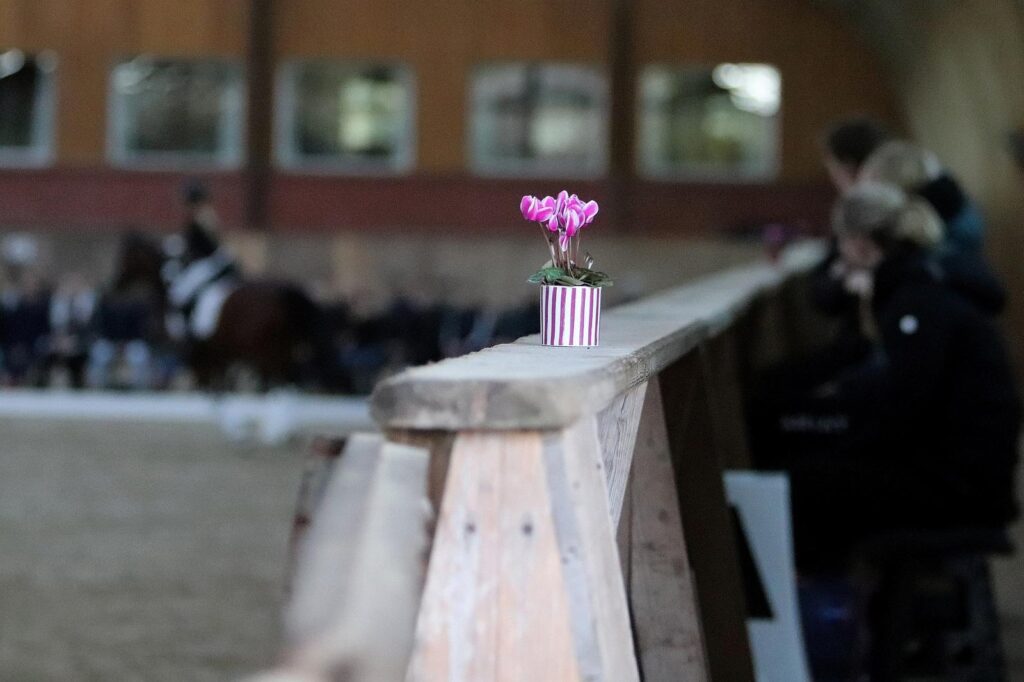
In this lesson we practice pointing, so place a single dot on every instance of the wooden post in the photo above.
(524, 580)
(564, 477)
(617, 426)
(706, 521)
(721, 377)
(360, 569)
(666, 617)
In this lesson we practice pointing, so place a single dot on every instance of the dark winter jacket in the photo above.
(941, 389)
(965, 272)
(199, 241)
(965, 226)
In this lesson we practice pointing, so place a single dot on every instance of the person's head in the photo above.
(874, 219)
(847, 145)
(903, 164)
(195, 194)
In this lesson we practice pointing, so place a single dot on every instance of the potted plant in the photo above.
(570, 296)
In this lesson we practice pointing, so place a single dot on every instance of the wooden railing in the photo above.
(581, 531)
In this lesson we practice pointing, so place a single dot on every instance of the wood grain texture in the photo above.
(666, 615)
(524, 385)
(590, 561)
(710, 544)
(359, 573)
(616, 432)
(494, 605)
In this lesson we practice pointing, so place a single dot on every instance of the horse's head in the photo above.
(139, 264)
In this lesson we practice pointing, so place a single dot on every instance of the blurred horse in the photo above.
(272, 328)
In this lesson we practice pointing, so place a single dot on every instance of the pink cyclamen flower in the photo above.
(527, 206)
(589, 211)
(535, 209)
(561, 201)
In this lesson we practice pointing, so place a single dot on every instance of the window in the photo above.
(26, 107)
(539, 119)
(174, 112)
(345, 117)
(717, 124)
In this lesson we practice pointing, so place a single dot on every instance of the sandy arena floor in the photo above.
(150, 552)
(156, 552)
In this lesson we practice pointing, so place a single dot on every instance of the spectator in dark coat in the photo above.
(918, 171)
(923, 433)
(847, 145)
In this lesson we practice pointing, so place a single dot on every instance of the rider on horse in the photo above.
(206, 272)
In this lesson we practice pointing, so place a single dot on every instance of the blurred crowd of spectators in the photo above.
(70, 332)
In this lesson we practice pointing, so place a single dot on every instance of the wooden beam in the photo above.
(360, 568)
(524, 580)
(592, 570)
(617, 426)
(524, 385)
(495, 605)
(666, 615)
(706, 521)
(721, 375)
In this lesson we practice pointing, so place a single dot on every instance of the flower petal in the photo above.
(563, 198)
(542, 213)
(527, 206)
(572, 222)
(553, 223)
(589, 211)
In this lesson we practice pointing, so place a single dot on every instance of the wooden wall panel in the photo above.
(190, 27)
(442, 40)
(826, 72)
(89, 35)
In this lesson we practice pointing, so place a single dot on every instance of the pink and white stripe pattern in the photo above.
(570, 316)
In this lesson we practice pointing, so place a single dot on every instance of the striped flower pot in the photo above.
(570, 316)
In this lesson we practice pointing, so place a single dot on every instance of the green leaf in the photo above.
(594, 278)
(570, 281)
(546, 275)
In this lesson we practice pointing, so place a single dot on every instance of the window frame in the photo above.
(235, 119)
(697, 172)
(42, 151)
(285, 152)
(483, 166)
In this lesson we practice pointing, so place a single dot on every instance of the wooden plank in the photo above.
(524, 581)
(624, 535)
(495, 605)
(666, 616)
(527, 386)
(616, 429)
(590, 561)
(721, 377)
(708, 531)
(360, 568)
(316, 475)
(439, 445)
